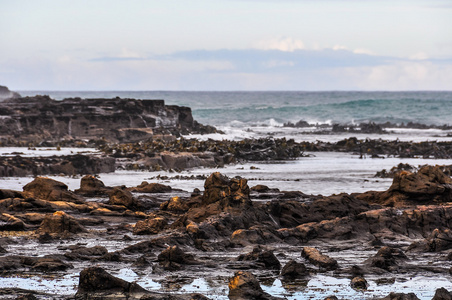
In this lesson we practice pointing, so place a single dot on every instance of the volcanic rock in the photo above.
(262, 256)
(315, 257)
(172, 258)
(146, 187)
(387, 258)
(91, 186)
(50, 189)
(442, 294)
(294, 269)
(150, 226)
(359, 283)
(119, 196)
(59, 223)
(244, 285)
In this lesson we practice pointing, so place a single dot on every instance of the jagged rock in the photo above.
(359, 283)
(175, 204)
(316, 258)
(263, 256)
(83, 253)
(244, 285)
(119, 196)
(91, 186)
(442, 294)
(47, 264)
(230, 192)
(5, 93)
(146, 187)
(150, 226)
(428, 185)
(400, 296)
(50, 189)
(96, 283)
(5, 193)
(172, 258)
(294, 269)
(387, 258)
(59, 223)
(10, 223)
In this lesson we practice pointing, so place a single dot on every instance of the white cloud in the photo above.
(286, 44)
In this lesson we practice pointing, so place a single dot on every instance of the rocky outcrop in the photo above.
(5, 93)
(49, 189)
(244, 285)
(41, 118)
(315, 257)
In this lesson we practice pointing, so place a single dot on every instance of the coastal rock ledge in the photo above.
(40, 118)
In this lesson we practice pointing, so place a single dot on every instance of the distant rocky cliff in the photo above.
(40, 118)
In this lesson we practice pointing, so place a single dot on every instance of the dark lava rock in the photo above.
(359, 283)
(400, 296)
(27, 297)
(91, 186)
(442, 294)
(230, 192)
(51, 190)
(150, 226)
(59, 223)
(244, 285)
(83, 253)
(387, 258)
(122, 197)
(428, 186)
(96, 283)
(172, 258)
(146, 187)
(47, 264)
(175, 204)
(263, 256)
(294, 269)
(316, 258)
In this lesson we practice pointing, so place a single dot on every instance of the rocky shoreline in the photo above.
(230, 234)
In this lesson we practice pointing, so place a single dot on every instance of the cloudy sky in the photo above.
(226, 45)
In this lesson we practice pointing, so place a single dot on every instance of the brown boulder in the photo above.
(229, 192)
(294, 269)
(96, 283)
(122, 197)
(359, 283)
(387, 258)
(58, 223)
(10, 223)
(83, 253)
(91, 186)
(442, 294)
(50, 189)
(428, 185)
(146, 187)
(244, 285)
(400, 296)
(315, 257)
(172, 258)
(175, 204)
(5, 193)
(262, 256)
(150, 226)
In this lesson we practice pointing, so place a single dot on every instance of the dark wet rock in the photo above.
(173, 258)
(294, 269)
(331, 298)
(5, 193)
(11, 223)
(387, 258)
(51, 190)
(442, 294)
(27, 297)
(48, 264)
(175, 204)
(394, 170)
(262, 256)
(438, 240)
(96, 283)
(230, 192)
(315, 257)
(150, 226)
(119, 196)
(359, 283)
(84, 253)
(255, 235)
(401, 296)
(60, 223)
(428, 186)
(244, 285)
(2, 250)
(146, 187)
(91, 186)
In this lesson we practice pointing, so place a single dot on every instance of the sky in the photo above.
(223, 45)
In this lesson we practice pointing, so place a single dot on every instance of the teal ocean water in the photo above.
(237, 109)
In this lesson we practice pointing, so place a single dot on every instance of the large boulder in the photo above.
(233, 192)
(150, 226)
(146, 187)
(173, 258)
(387, 258)
(60, 223)
(96, 283)
(244, 285)
(262, 256)
(428, 185)
(315, 257)
(119, 196)
(91, 186)
(294, 269)
(50, 189)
